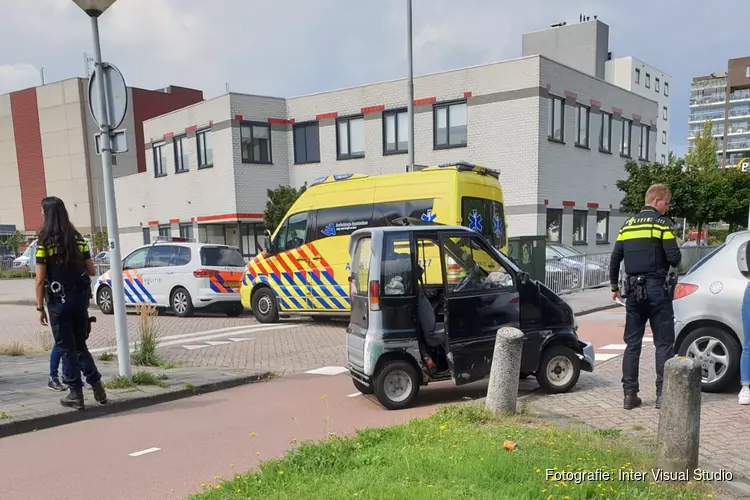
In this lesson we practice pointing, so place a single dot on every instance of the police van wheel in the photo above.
(397, 385)
(104, 300)
(265, 308)
(181, 303)
(559, 370)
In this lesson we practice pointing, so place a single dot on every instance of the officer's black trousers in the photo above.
(657, 309)
(69, 322)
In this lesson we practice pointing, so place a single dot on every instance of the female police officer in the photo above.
(63, 270)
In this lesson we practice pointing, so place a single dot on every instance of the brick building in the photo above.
(47, 147)
(559, 136)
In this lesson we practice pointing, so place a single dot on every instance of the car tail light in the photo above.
(683, 290)
(205, 273)
(375, 296)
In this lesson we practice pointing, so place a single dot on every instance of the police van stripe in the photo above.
(145, 291)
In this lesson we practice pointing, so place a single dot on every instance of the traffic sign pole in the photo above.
(115, 272)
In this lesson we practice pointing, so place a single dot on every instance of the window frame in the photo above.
(250, 124)
(663, 137)
(605, 240)
(656, 85)
(647, 129)
(303, 126)
(146, 233)
(447, 105)
(168, 227)
(181, 161)
(185, 225)
(626, 125)
(349, 155)
(648, 80)
(158, 147)
(551, 119)
(665, 113)
(582, 108)
(205, 134)
(666, 89)
(663, 159)
(558, 213)
(638, 76)
(584, 241)
(394, 113)
(606, 118)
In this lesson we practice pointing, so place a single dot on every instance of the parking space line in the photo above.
(143, 452)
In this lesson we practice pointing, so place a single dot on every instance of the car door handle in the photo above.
(318, 257)
(301, 259)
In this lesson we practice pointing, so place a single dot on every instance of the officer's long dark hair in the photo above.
(59, 232)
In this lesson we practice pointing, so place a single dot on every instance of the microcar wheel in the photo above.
(718, 354)
(104, 300)
(364, 389)
(181, 303)
(234, 310)
(397, 385)
(559, 370)
(265, 308)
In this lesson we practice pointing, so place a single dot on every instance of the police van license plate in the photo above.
(232, 284)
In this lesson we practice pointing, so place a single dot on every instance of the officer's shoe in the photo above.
(74, 399)
(631, 401)
(99, 393)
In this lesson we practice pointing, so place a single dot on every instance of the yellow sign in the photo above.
(744, 165)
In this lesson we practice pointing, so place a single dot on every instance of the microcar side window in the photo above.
(361, 267)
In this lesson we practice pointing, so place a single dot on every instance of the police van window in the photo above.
(295, 232)
(180, 257)
(342, 221)
(136, 260)
(361, 267)
(221, 257)
(160, 255)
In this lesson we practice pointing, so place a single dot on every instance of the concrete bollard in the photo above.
(502, 393)
(680, 416)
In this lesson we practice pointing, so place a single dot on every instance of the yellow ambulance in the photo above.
(305, 266)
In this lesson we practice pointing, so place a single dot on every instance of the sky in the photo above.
(292, 47)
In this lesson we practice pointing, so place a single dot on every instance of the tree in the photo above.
(13, 241)
(279, 202)
(709, 187)
(641, 176)
(737, 198)
(101, 241)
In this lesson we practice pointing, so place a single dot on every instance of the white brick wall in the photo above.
(11, 210)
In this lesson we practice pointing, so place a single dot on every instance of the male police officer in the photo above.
(648, 247)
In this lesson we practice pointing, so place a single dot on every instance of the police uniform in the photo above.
(67, 292)
(648, 248)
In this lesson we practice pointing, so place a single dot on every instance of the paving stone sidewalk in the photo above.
(26, 404)
(597, 401)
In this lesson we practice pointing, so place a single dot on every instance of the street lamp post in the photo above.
(94, 9)
(410, 107)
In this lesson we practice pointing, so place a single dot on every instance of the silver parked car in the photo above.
(707, 310)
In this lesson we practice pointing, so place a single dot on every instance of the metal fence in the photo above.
(584, 271)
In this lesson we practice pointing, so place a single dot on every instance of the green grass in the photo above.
(138, 378)
(456, 454)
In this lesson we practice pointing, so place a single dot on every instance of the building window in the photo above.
(643, 147)
(605, 133)
(160, 162)
(306, 143)
(186, 231)
(556, 124)
(181, 162)
(582, 126)
(450, 125)
(637, 75)
(747, 71)
(146, 235)
(627, 130)
(580, 217)
(663, 159)
(656, 85)
(666, 88)
(554, 224)
(602, 227)
(255, 140)
(350, 137)
(664, 112)
(395, 132)
(205, 149)
(663, 136)
(165, 230)
(648, 81)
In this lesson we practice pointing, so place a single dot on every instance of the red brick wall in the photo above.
(28, 139)
(149, 104)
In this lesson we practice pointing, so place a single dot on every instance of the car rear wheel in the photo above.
(104, 300)
(265, 307)
(234, 310)
(559, 369)
(718, 352)
(181, 303)
(364, 389)
(397, 385)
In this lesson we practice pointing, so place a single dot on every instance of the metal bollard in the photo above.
(502, 393)
(680, 416)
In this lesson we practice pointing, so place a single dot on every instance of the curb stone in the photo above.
(33, 424)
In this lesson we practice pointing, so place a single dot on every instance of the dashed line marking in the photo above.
(143, 452)
(604, 356)
(614, 347)
(328, 370)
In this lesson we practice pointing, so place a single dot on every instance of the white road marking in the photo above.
(615, 347)
(604, 356)
(193, 347)
(648, 339)
(143, 452)
(217, 342)
(328, 370)
(354, 395)
(236, 339)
